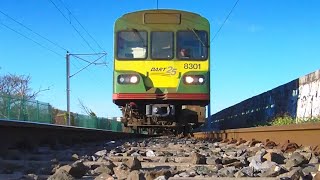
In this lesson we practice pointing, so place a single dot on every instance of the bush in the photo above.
(282, 120)
(286, 120)
(309, 120)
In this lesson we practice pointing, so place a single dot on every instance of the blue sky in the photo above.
(262, 45)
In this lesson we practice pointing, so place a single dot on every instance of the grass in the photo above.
(286, 120)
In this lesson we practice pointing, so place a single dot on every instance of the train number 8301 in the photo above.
(192, 66)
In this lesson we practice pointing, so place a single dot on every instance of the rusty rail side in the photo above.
(303, 134)
(17, 133)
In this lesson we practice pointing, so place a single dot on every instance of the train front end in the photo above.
(161, 68)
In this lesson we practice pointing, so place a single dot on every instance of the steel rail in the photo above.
(307, 134)
(13, 133)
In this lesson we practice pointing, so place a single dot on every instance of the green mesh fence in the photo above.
(116, 126)
(97, 123)
(12, 108)
(85, 121)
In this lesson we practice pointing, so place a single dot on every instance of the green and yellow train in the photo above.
(161, 68)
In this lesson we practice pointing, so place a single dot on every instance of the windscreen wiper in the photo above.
(198, 38)
(135, 31)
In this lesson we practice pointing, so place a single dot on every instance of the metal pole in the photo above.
(38, 112)
(69, 76)
(209, 120)
(209, 105)
(68, 86)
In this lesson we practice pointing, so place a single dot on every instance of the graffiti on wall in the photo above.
(299, 99)
(309, 100)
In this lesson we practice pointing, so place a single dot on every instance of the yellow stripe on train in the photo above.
(162, 73)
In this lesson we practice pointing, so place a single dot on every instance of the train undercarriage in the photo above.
(160, 118)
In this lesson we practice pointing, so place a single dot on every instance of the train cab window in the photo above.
(192, 44)
(132, 44)
(161, 45)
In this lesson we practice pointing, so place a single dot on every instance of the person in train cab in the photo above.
(184, 53)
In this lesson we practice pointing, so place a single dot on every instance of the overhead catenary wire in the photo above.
(89, 62)
(54, 43)
(215, 35)
(225, 20)
(81, 25)
(78, 32)
(39, 44)
(43, 45)
(31, 39)
(102, 55)
(87, 65)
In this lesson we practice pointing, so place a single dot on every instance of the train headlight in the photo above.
(128, 79)
(194, 79)
(189, 79)
(133, 79)
(201, 80)
(121, 79)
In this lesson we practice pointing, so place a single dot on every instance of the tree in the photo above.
(88, 111)
(17, 86)
(15, 91)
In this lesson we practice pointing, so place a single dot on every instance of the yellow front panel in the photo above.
(163, 74)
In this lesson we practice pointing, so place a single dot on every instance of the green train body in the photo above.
(161, 68)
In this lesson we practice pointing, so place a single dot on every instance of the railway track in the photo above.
(302, 134)
(29, 134)
(165, 157)
(28, 147)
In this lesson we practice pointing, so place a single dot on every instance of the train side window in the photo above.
(161, 45)
(194, 43)
(132, 45)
